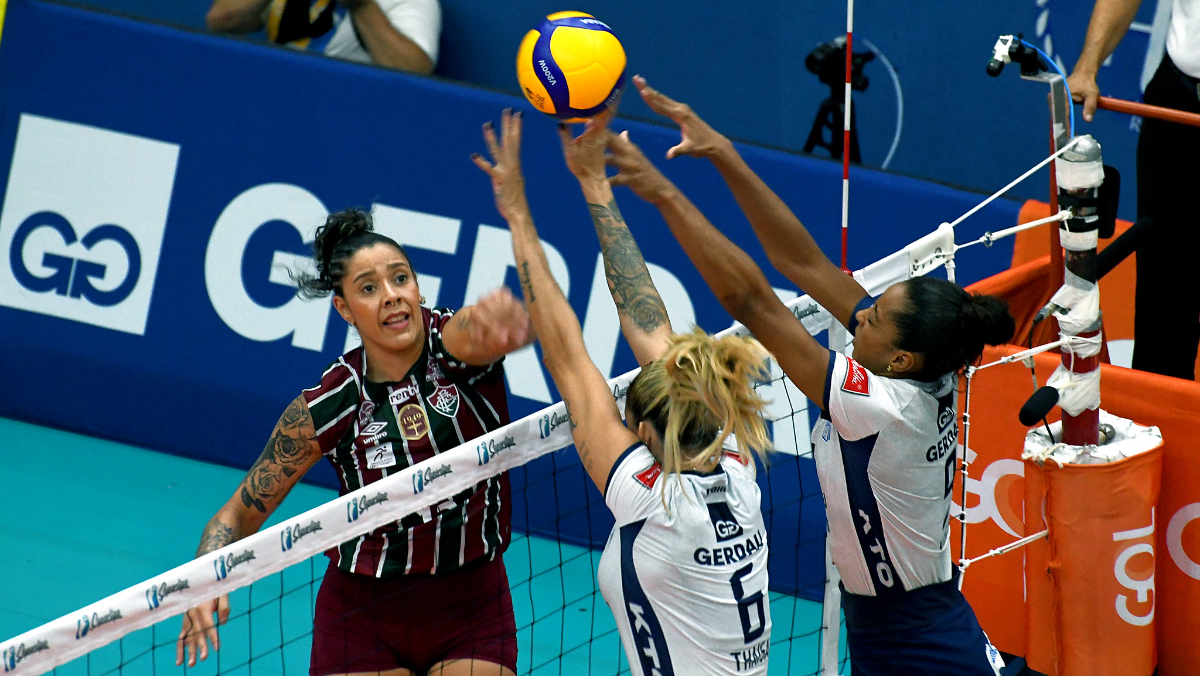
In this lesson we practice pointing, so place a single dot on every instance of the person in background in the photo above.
(399, 34)
(1166, 325)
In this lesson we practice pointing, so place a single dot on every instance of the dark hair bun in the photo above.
(334, 244)
(337, 229)
(986, 318)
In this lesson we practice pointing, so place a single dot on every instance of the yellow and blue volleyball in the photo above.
(571, 66)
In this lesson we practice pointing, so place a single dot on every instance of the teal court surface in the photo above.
(82, 518)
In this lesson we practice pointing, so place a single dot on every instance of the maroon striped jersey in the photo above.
(369, 430)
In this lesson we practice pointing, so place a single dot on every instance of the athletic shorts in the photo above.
(947, 641)
(365, 624)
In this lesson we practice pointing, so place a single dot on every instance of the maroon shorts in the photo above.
(364, 624)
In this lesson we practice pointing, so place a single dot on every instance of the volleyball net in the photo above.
(563, 624)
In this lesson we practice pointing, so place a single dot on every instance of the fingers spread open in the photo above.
(489, 137)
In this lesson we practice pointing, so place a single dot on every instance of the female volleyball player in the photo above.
(885, 446)
(428, 594)
(684, 570)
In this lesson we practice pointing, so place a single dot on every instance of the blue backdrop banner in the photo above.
(161, 182)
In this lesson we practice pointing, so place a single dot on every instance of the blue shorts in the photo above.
(886, 638)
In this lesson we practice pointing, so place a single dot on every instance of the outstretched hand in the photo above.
(199, 630)
(508, 183)
(636, 171)
(698, 139)
(585, 154)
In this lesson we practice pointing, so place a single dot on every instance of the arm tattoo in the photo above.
(216, 535)
(463, 319)
(289, 449)
(526, 282)
(628, 279)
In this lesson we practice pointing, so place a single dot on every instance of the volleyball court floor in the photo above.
(82, 518)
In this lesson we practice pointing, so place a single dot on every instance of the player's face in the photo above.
(381, 298)
(875, 337)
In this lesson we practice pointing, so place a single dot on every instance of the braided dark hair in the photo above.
(949, 326)
(338, 239)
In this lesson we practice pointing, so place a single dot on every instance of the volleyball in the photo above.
(571, 66)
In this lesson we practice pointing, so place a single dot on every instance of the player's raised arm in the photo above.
(789, 246)
(732, 275)
(643, 315)
(596, 425)
(482, 333)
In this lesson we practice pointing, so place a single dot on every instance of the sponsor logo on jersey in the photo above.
(752, 656)
(402, 393)
(825, 433)
(13, 655)
(648, 476)
(444, 400)
(856, 379)
(422, 479)
(364, 413)
(725, 525)
(83, 221)
(413, 423)
(434, 372)
(225, 564)
(486, 450)
(88, 622)
(551, 422)
(356, 508)
(371, 434)
(156, 595)
(723, 556)
(946, 444)
(291, 535)
(380, 456)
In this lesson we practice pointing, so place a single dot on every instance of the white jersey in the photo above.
(885, 455)
(1183, 36)
(688, 586)
(418, 20)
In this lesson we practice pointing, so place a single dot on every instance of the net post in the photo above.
(964, 466)
(830, 616)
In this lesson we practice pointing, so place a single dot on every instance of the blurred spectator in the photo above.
(400, 34)
(1166, 313)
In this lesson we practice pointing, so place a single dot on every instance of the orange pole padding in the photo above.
(1090, 592)
(997, 513)
(1146, 110)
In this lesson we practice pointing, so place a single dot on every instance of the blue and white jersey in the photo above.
(687, 582)
(885, 455)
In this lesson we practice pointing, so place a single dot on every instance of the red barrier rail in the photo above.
(1144, 110)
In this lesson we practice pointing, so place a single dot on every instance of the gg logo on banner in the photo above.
(82, 227)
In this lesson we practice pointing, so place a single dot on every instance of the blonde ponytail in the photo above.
(699, 393)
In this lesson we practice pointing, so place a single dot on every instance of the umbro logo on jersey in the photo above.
(856, 379)
(373, 429)
(445, 400)
(648, 476)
